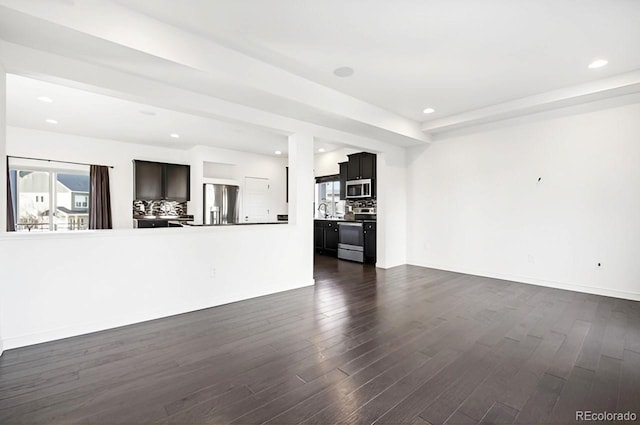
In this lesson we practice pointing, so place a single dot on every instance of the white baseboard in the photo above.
(77, 329)
(607, 292)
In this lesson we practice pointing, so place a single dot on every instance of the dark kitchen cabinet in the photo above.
(148, 180)
(362, 165)
(325, 237)
(368, 166)
(152, 224)
(318, 235)
(331, 237)
(157, 181)
(343, 179)
(177, 182)
(370, 242)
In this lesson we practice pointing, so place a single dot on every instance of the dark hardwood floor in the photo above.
(405, 345)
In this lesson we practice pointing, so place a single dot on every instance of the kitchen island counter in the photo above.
(233, 224)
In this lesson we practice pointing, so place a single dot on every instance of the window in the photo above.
(80, 200)
(328, 202)
(47, 197)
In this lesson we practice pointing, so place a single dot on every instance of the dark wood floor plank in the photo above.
(614, 336)
(442, 409)
(499, 414)
(574, 396)
(629, 392)
(526, 380)
(363, 385)
(593, 344)
(497, 384)
(270, 410)
(363, 345)
(378, 406)
(541, 402)
(605, 388)
(567, 355)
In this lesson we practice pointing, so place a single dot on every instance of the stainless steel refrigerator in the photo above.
(221, 204)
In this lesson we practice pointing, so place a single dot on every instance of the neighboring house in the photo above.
(71, 197)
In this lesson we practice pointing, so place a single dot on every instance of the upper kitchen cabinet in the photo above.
(344, 173)
(157, 180)
(361, 166)
(177, 182)
(148, 180)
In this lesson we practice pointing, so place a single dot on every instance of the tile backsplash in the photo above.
(362, 203)
(166, 208)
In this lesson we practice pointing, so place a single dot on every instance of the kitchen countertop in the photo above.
(163, 217)
(234, 224)
(342, 219)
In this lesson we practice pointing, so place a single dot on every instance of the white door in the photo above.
(256, 200)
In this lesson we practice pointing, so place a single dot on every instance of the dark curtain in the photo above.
(99, 198)
(11, 220)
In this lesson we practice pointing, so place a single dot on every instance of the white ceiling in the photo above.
(94, 115)
(267, 66)
(454, 56)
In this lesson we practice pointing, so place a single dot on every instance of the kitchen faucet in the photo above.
(323, 210)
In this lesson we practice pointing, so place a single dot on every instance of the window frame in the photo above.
(53, 169)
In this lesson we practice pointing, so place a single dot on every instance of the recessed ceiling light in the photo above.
(45, 99)
(598, 63)
(321, 150)
(429, 110)
(278, 153)
(175, 135)
(343, 71)
(50, 121)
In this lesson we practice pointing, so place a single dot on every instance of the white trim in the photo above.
(607, 292)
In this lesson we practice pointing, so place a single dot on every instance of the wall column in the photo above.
(392, 209)
(301, 190)
(3, 169)
(195, 206)
(3, 148)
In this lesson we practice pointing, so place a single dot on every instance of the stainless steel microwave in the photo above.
(359, 189)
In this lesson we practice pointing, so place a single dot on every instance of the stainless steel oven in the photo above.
(351, 241)
(359, 189)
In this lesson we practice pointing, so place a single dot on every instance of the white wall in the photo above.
(3, 165)
(391, 226)
(120, 155)
(475, 204)
(326, 164)
(244, 165)
(88, 281)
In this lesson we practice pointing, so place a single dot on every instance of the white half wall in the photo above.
(94, 280)
(542, 202)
